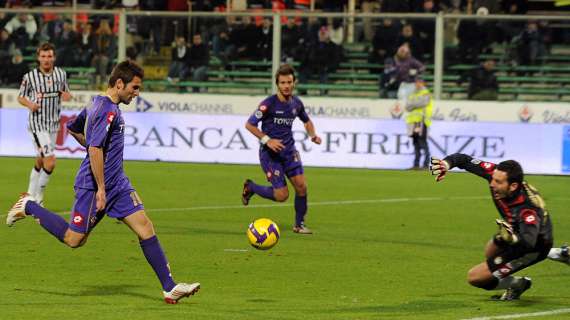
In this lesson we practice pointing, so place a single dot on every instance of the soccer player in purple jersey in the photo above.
(277, 153)
(101, 186)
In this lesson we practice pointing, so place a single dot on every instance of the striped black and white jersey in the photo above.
(44, 89)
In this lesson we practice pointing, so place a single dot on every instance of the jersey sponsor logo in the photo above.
(283, 121)
(262, 108)
(77, 219)
(488, 166)
(110, 118)
(529, 216)
(258, 114)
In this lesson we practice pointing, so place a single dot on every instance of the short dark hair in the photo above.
(513, 170)
(125, 71)
(46, 46)
(284, 70)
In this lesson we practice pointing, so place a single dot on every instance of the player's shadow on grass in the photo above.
(99, 291)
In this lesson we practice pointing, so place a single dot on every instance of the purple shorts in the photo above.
(121, 202)
(277, 166)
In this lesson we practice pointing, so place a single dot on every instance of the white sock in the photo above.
(556, 255)
(33, 185)
(42, 183)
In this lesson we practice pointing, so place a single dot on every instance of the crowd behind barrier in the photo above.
(485, 59)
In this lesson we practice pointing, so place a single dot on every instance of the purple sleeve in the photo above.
(259, 113)
(98, 125)
(78, 123)
(303, 113)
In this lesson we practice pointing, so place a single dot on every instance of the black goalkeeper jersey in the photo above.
(531, 224)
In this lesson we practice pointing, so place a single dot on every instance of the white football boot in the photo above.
(17, 211)
(180, 291)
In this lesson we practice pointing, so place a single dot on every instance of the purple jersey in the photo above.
(103, 127)
(277, 118)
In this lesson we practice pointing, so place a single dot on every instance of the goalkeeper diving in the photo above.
(524, 235)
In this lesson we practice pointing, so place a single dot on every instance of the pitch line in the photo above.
(321, 203)
(524, 315)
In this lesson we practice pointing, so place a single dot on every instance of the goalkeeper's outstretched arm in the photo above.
(440, 167)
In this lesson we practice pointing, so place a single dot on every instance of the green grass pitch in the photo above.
(387, 245)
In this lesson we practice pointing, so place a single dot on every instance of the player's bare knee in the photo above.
(301, 190)
(75, 243)
(281, 196)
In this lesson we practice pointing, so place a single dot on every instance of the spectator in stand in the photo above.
(198, 59)
(320, 59)
(22, 28)
(483, 82)
(414, 43)
(385, 40)
(400, 74)
(7, 48)
(265, 45)
(15, 71)
(473, 36)
(176, 25)
(251, 36)
(179, 67)
(336, 34)
(426, 27)
(151, 28)
(105, 50)
(531, 49)
(369, 6)
(86, 44)
(292, 40)
(66, 44)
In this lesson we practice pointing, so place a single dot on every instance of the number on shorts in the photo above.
(136, 199)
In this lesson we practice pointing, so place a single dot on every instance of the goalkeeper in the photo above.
(524, 234)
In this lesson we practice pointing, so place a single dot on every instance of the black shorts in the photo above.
(511, 259)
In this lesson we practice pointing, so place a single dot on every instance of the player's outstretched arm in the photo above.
(438, 168)
(310, 128)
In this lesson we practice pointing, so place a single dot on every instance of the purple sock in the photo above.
(262, 191)
(53, 223)
(300, 209)
(157, 260)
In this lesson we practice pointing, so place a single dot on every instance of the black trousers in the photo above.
(420, 143)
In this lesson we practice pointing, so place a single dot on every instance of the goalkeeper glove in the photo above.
(505, 233)
(438, 168)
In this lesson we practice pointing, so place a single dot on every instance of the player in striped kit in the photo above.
(42, 91)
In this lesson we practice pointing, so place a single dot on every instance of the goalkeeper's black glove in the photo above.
(505, 233)
(438, 168)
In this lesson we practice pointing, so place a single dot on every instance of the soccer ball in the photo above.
(263, 234)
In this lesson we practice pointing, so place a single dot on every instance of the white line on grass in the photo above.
(524, 315)
(321, 203)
